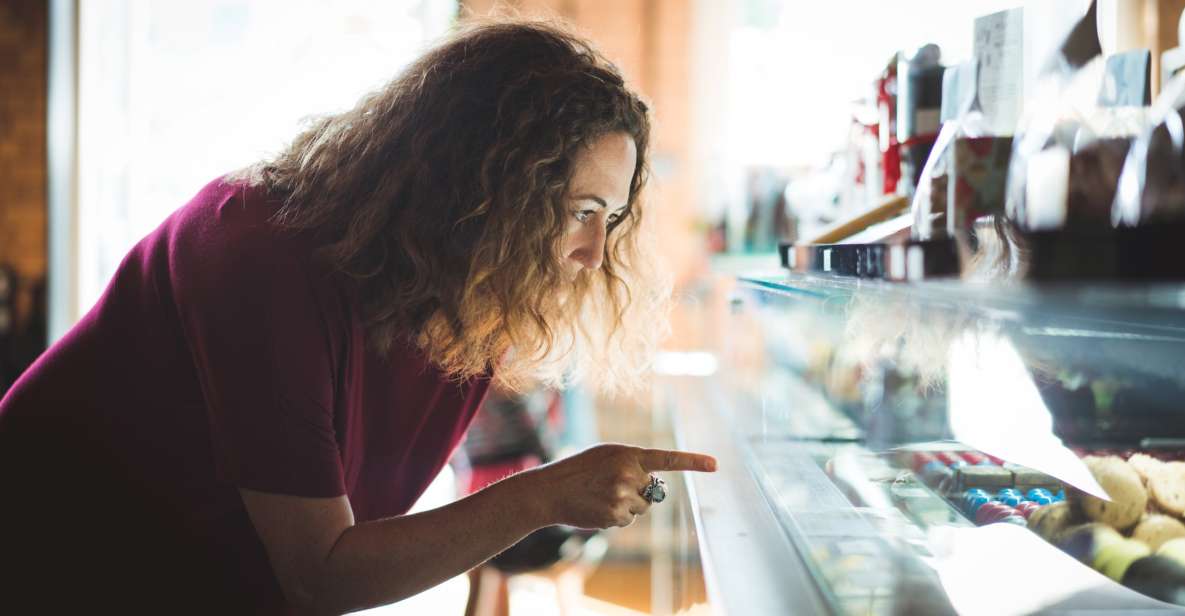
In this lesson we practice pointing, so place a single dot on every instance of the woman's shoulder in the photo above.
(228, 208)
(230, 220)
(225, 240)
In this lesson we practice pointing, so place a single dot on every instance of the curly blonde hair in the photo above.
(444, 197)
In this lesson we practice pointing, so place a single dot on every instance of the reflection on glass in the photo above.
(1037, 575)
(994, 406)
(691, 363)
(906, 435)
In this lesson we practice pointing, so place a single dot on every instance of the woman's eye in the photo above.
(583, 215)
(613, 218)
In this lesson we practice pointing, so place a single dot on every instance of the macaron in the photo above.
(988, 511)
(930, 465)
(976, 492)
(973, 504)
(950, 458)
(1027, 508)
(973, 457)
(919, 459)
(994, 512)
(1011, 500)
(1035, 492)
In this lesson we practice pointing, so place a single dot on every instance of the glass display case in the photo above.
(939, 447)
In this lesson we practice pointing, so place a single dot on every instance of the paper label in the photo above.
(999, 52)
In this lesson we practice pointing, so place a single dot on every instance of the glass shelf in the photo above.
(1153, 310)
(867, 412)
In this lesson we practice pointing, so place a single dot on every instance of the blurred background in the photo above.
(113, 113)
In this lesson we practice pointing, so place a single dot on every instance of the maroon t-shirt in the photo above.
(222, 355)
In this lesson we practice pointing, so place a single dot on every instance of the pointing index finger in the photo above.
(670, 460)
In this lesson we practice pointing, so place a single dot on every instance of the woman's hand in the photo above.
(601, 486)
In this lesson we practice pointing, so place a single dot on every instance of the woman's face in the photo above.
(597, 196)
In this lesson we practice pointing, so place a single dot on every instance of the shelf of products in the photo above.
(926, 447)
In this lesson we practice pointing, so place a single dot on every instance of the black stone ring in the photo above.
(655, 491)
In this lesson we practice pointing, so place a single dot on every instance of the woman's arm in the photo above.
(326, 563)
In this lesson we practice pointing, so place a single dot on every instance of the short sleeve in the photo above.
(256, 321)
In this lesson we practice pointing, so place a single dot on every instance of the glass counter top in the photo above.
(1151, 310)
(868, 412)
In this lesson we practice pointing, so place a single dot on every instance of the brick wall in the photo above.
(23, 211)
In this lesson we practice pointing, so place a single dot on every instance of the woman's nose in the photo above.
(591, 252)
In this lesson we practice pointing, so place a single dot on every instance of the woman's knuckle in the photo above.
(610, 449)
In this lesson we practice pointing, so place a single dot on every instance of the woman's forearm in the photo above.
(387, 560)
(380, 562)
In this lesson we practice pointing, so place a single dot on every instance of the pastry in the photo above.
(1050, 520)
(1085, 541)
(1174, 549)
(1128, 497)
(1155, 529)
(1158, 577)
(1113, 559)
(1144, 465)
(1166, 486)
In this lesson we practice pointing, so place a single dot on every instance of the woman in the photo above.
(278, 371)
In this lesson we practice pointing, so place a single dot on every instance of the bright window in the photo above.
(173, 94)
(798, 66)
